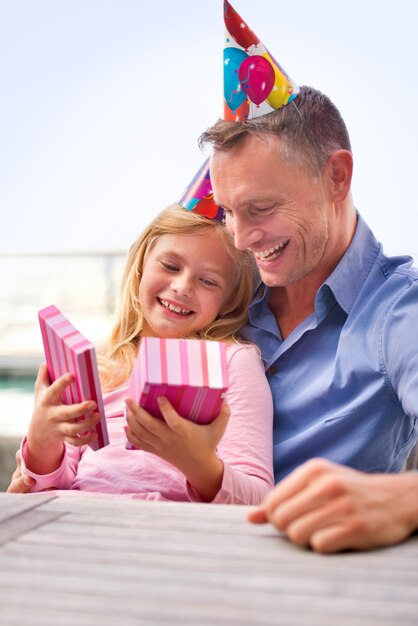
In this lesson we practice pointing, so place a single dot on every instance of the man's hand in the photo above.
(331, 507)
(20, 483)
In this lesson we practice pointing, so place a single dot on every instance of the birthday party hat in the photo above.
(198, 196)
(254, 82)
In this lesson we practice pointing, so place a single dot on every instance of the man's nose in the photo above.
(245, 234)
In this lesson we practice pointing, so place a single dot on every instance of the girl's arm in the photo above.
(52, 426)
(188, 446)
(246, 449)
(241, 471)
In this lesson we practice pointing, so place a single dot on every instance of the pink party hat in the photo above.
(198, 196)
(254, 83)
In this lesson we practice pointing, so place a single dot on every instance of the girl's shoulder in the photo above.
(246, 369)
(241, 350)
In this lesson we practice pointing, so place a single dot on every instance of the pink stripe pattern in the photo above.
(195, 389)
(67, 350)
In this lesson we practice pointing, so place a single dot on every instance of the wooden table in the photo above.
(99, 561)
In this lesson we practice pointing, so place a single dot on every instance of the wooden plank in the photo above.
(196, 603)
(83, 531)
(210, 557)
(15, 503)
(133, 578)
(151, 510)
(236, 579)
(18, 525)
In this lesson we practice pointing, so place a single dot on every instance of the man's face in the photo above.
(274, 208)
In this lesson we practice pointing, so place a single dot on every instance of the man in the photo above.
(336, 325)
(336, 322)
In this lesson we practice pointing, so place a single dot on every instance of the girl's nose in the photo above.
(182, 284)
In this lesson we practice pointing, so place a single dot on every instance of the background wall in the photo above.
(102, 102)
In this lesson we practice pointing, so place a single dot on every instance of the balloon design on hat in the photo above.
(254, 83)
(198, 196)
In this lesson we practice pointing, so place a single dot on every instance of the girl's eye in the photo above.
(170, 267)
(208, 283)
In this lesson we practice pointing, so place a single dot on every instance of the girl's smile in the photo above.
(186, 280)
(174, 308)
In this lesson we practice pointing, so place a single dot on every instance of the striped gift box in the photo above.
(191, 373)
(67, 350)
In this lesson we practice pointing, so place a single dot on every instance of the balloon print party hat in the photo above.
(198, 196)
(254, 82)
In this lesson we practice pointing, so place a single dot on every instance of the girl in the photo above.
(184, 278)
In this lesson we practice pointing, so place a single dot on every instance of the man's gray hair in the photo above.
(310, 126)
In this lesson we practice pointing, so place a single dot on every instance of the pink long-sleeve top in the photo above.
(245, 449)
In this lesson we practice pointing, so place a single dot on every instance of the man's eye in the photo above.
(263, 209)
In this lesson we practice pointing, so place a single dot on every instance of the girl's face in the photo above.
(186, 280)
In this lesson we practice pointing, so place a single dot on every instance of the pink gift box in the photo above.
(67, 350)
(191, 374)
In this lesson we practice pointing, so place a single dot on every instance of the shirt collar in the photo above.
(260, 293)
(351, 272)
(347, 279)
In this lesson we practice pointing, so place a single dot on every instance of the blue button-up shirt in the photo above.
(345, 381)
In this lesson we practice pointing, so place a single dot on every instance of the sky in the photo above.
(102, 103)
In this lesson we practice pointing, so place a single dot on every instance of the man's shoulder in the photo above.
(367, 267)
(399, 280)
(398, 269)
(392, 286)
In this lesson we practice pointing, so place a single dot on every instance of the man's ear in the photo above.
(340, 172)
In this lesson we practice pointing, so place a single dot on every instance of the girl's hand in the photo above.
(53, 423)
(188, 446)
(20, 483)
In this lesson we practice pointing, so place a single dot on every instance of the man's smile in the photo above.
(271, 253)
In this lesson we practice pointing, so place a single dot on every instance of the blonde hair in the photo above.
(116, 357)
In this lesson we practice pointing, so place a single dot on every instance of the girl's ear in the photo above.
(340, 172)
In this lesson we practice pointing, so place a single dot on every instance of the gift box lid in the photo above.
(67, 350)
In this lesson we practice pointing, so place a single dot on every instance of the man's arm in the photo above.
(331, 507)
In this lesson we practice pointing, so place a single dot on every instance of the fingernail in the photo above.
(161, 400)
(27, 480)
